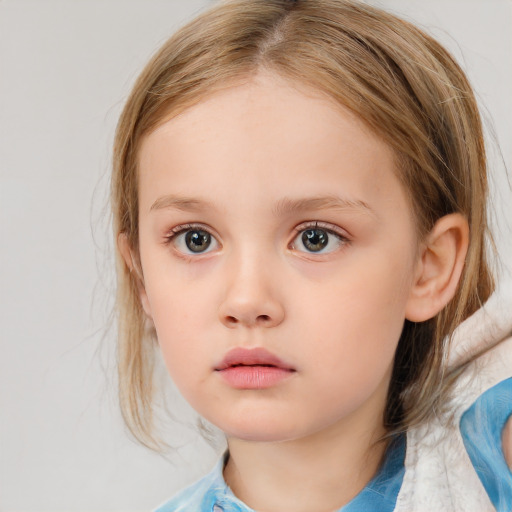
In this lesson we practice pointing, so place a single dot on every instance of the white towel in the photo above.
(439, 476)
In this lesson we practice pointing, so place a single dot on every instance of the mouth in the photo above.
(253, 369)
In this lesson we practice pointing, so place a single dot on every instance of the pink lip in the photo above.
(251, 357)
(253, 369)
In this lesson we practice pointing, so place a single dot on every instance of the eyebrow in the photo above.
(285, 206)
(331, 202)
(186, 204)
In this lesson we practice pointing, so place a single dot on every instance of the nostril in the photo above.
(232, 320)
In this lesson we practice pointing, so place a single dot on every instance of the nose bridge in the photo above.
(251, 296)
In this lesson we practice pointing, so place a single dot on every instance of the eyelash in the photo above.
(331, 229)
(182, 228)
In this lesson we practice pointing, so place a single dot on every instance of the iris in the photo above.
(315, 239)
(198, 240)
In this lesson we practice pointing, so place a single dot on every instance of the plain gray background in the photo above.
(65, 69)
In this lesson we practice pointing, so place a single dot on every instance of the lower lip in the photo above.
(254, 377)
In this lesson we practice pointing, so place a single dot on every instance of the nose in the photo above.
(251, 298)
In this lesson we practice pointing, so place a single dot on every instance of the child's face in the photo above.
(295, 235)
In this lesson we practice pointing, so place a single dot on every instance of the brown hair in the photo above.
(395, 77)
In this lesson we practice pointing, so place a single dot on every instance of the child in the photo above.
(299, 198)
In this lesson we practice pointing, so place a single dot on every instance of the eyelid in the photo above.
(327, 226)
(176, 230)
(341, 234)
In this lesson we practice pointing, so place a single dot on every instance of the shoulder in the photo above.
(482, 428)
(187, 499)
(194, 497)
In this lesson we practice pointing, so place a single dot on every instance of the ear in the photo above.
(126, 251)
(439, 268)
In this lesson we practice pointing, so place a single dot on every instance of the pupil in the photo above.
(315, 239)
(198, 241)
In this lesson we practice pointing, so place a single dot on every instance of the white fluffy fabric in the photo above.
(439, 476)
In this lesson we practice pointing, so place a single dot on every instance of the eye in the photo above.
(318, 239)
(192, 240)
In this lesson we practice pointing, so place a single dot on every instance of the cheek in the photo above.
(178, 318)
(358, 319)
(181, 309)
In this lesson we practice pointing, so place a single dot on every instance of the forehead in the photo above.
(263, 138)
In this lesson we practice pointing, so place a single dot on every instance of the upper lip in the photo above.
(254, 356)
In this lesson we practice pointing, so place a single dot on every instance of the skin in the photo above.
(335, 315)
(507, 442)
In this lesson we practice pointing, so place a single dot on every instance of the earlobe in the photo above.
(439, 268)
(126, 251)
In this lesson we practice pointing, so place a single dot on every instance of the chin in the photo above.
(265, 435)
(262, 430)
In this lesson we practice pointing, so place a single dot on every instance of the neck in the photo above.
(321, 472)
